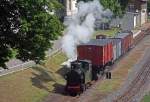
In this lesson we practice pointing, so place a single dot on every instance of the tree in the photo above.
(9, 22)
(148, 5)
(113, 5)
(124, 4)
(118, 7)
(28, 26)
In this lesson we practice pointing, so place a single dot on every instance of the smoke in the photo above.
(81, 27)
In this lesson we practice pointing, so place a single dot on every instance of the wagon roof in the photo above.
(98, 42)
(115, 40)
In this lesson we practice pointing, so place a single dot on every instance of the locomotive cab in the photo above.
(78, 76)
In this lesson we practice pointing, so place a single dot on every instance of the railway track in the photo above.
(136, 84)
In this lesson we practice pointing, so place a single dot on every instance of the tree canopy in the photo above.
(148, 5)
(29, 27)
(116, 6)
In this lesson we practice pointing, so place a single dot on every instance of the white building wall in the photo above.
(135, 19)
(143, 16)
(71, 8)
(143, 13)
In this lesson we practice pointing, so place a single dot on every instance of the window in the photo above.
(143, 11)
(131, 8)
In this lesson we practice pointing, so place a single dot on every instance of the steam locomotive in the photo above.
(78, 76)
(93, 57)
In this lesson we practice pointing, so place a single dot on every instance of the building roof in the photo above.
(138, 3)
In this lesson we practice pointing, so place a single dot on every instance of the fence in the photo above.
(54, 52)
(17, 68)
(23, 66)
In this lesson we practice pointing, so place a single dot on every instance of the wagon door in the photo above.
(114, 52)
(119, 49)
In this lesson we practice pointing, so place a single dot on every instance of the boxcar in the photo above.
(98, 51)
(116, 46)
(126, 41)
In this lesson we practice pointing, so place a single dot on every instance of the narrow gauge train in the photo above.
(93, 57)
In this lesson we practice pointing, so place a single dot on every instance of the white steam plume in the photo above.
(81, 27)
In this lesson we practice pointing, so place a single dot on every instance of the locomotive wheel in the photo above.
(102, 72)
(112, 62)
(96, 77)
(73, 94)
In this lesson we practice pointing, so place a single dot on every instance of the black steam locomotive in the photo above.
(78, 77)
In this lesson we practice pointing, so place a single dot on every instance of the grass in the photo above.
(108, 85)
(146, 98)
(33, 84)
(110, 32)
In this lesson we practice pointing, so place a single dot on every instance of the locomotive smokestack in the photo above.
(81, 27)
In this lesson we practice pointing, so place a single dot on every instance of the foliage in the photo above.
(124, 4)
(9, 22)
(116, 6)
(29, 26)
(113, 5)
(148, 5)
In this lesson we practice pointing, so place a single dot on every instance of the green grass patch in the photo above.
(53, 62)
(110, 32)
(108, 85)
(148, 18)
(146, 98)
(33, 84)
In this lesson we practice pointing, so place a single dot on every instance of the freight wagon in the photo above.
(126, 41)
(99, 52)
(116, 42)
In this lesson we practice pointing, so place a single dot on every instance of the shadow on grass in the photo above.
(41, 78)
(62, 71)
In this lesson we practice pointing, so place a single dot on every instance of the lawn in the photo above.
(33, 84)
(110, 32)
(146, 98)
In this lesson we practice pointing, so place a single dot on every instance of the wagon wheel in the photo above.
(102, 72)
(83, 88)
